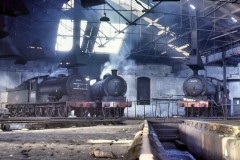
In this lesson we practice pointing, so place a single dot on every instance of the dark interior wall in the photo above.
(11, 79)
(91, 70)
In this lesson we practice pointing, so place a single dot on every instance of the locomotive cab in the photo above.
(25, 92)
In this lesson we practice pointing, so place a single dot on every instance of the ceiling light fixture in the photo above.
(104, 18)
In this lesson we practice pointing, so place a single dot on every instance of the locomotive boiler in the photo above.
(63, 88)
(203, 96)
(109, 94)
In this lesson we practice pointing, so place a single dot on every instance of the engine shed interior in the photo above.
(120, 59)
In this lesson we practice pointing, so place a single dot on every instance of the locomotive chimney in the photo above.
(114, 72)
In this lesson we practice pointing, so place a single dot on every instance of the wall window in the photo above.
(143, 91)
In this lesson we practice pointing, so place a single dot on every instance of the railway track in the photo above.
(15, 123)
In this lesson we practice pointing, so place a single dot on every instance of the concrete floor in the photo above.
(67, 143)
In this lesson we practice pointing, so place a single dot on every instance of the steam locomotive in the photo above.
(109, 94)
(203, 96)
(45, 96)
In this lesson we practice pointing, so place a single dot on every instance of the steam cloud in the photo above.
(120, 63)
(59, 71)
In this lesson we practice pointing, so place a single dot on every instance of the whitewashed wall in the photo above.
(164, 83)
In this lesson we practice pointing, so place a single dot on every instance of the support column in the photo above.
(225, 94)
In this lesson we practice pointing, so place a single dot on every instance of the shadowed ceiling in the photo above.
(154, 32)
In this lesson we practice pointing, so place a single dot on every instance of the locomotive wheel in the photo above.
(187, 112)
(106, 112)
(99, 113)
(61, 111)
(112, 112)
(121, 112)
(85, 112)
(14, 111)
(10, 109)
(20, 110)
(24, 113)
(50, 112)
(30, 111)
(109, 112)
(204, 112)
(38, 112)
(5, 127)
(92, 113)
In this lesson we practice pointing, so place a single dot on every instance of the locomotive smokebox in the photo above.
(198, 86)
(114, 72)
(111, 86)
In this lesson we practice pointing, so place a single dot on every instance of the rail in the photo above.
(146, 152)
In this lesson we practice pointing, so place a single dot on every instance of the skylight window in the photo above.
(82, 31)
(138, 5)
(108, 33)
(64, 40)
(179, 49)
(68, 5)
(65, 35)
(65, 31)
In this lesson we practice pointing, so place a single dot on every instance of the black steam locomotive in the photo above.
(203, 96)
(109, 94)
(46, 96)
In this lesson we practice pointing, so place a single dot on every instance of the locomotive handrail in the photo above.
(222, 104)
(223, 109)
